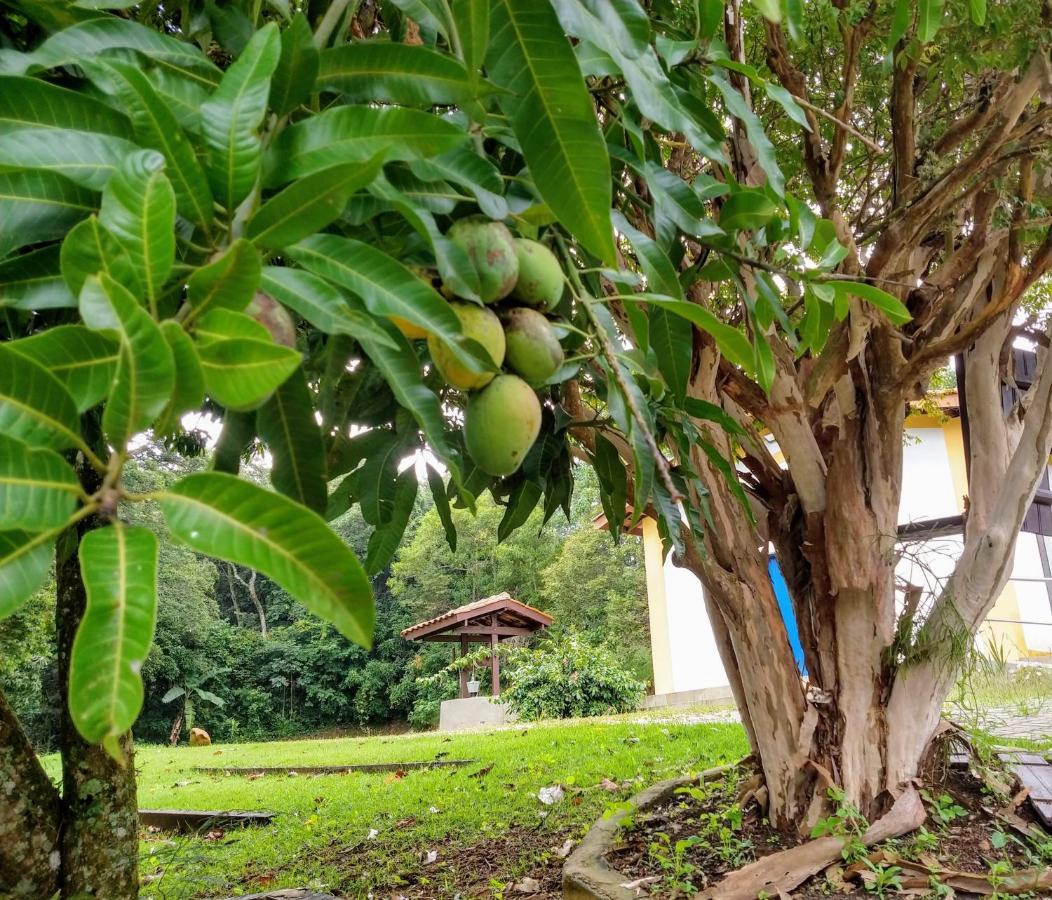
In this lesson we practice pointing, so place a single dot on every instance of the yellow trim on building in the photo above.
(657, 606)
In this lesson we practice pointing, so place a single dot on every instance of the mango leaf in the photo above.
(929, 20)
(156, 127)
(235, 438)
(553, 118)
(523, 500)
(378, 479)
(661, 275)
(346, 134)
(34, 406)
(322, 304)
(390, 72)
(732, 341)
(234, 520)
(189, 388)
(297, 68)
(34, 281)
(232, 115)
(39, 206)
(672, 339)
(745, 210)
(138, 208)
(703, 409)
(475, 173)
(471, 23)
(441, 498)
(977, 10)
(26, 102)
(84, 158)
(769, 9)
(145, 370)
(82, 359)
(613, 484)
(765, 152)
(38, 489)
(625, 21)
(308, 205)
(90, 249)
(891, 306)
(900, 21)
(228, 282)
(385, 286)
(401, 370)
(119, 568)
(91, 38)
(287, 425)
(225, 324)
(241, 373)
(24, 563)
(386, 538)
(786, 100)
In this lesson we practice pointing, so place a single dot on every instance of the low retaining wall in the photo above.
(472, 712)
(689, 698)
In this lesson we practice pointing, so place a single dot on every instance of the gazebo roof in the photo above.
(501, 615)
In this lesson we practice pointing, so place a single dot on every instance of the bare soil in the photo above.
(692, 841)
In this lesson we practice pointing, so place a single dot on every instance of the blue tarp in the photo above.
(785, 606)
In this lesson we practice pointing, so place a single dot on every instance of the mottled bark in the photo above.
(100, 822)
(29, 816)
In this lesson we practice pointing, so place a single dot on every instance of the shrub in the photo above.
(566, 677)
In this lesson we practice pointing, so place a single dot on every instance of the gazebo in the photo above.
(487, 621)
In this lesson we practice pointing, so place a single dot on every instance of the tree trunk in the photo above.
(29, 816)
(177, 729)
(100, 820)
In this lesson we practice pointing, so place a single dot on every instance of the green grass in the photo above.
(487, 829)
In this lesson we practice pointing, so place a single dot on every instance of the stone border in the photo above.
(587, 875)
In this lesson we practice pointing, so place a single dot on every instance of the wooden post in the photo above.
(494, 666)
(464, 671)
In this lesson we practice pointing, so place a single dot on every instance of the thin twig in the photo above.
(875, 147)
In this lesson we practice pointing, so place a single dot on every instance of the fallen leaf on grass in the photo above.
(607, 785)
(406, 823)
(215, 834)
(481, 773)
(394, 776)
(255, 775)
(372, 834)
(430, 857)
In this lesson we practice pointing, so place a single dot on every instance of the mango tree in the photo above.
(509, 236)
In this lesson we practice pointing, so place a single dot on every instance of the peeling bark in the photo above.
(29, 816)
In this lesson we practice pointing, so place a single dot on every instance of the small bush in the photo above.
(567, 677)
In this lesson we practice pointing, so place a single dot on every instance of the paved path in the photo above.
(1015, 723)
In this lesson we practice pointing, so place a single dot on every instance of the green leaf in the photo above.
(765, 152)
(84, 158)
(90, 39)
(661, 275)
(119, 568)
(672, 339)
(475, 173)
(308, 205)
(929, 20)
(138, 208)
(401, 371)
(241, 373)
(225, 324)
(745, 210)
(378, 479)
(732, 341)
(232, 115)
(38, 489)
(145, 370)
(385, 539)
(471, 22)
(228, 282)
(34, 406)
(523, 500)
(769, 9)
(625, 21)
(239, 429)
(445, 516)
(322, 304)
(613, 483)
(900, 21)
(156, 127)
(26, 102)
(237, 521)
(786, 100)
(90, 249)
(24, 563)
(891, 306)
(703, 409)
(347, 134)
(287, 425)
(297, 68)
(82, 359)
(389, 72)
(977, 9)
(189, 389)
(34, 281)
(553, 118)
(39, 206)
(385, 286)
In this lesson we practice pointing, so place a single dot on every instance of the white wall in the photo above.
(695, 660)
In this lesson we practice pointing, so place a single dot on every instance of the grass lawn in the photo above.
(353, 834)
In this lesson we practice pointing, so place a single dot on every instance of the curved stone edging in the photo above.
(586, 874)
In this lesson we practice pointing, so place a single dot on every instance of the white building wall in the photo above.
(695, 660)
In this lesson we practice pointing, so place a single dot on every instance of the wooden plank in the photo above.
(1043, 808)
(1037, 778)
(336, 770)
(192, 820)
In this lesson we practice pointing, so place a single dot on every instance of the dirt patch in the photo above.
(691, 841)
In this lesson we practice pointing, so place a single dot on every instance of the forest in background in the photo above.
(234, 654)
